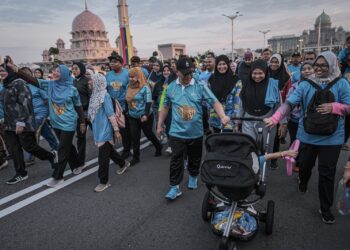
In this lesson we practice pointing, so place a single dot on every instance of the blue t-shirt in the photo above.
(343, 55)
(65, 118)
(117, 84)
(204, 77)
(101, 127)
(186, 103)
(137, 108)
(39, 97)
(295, 72)
(303, 95)
(145, 72)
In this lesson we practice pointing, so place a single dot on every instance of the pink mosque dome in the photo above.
(87, 21)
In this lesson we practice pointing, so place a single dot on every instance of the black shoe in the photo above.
(273, 165)
(126, 155)
(302, 188)
(134, 161)
(17, 178)
(158, 152)
(327, 217)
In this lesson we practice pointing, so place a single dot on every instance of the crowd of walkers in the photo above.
(178, 103)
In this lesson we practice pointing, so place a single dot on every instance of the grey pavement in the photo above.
(133, 214)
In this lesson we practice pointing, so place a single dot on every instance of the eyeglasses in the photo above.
(323, 66)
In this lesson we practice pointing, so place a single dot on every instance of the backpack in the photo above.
(315, 122)
(119, 116)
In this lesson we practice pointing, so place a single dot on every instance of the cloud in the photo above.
(32, 26)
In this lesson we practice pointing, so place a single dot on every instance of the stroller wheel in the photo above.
(227, 244)
(270, 211)
(206, 214)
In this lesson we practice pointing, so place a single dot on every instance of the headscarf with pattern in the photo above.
(98, 94)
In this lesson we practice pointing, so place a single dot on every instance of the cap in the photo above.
(185, 65)
(115, 56)
(295, 54)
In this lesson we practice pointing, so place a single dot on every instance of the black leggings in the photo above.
(106, 152)
(327, 163)
(147, 127)
(66, 153)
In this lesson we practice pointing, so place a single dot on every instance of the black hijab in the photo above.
(157, 76)
(253, 93)
(281, 74)
(41, 72)
(222, 84)
(11, 75)
(81, 68)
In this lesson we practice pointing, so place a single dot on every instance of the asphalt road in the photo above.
(133, 214)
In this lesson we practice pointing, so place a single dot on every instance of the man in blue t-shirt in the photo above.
(117, 83)
(185, 96)
(294, 67)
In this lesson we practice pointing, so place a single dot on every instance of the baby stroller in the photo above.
(235, 184)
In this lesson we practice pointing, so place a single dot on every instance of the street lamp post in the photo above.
(232, 18)
(264, 32)
(301, 45)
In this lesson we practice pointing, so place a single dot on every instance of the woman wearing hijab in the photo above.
(39, 73)
(226, 87)
(156, 74)
(105, 128)
(259, 99)
(19, 123)
(139, 102)
(82, 85)
(278, 71)
(324, 147)
(64, 110)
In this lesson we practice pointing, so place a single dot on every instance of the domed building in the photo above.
(89, 43)
(331, 38)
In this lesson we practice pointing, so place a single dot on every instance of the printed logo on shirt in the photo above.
(186, 112)
(133, 104)
(116, 85)
(347, 76)
(59, 110)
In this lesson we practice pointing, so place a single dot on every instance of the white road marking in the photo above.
(49, 191)
(43, 183)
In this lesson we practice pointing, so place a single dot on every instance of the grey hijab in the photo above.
(333, 71)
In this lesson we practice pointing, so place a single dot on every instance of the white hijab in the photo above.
(333, 71)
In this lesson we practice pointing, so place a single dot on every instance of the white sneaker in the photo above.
(79, 170)
(101, 187)
(169, 151)
(122, 170)
(54, 183)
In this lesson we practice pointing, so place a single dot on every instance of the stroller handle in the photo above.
(252, 119)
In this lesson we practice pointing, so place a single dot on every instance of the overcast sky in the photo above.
(29, 27)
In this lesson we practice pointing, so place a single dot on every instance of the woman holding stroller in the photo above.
(226, 87)
(260, 98)
(321, 134)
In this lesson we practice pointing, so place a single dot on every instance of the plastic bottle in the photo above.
(343, 199)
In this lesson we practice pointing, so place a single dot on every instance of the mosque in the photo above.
(323, 36)
(89, 42)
